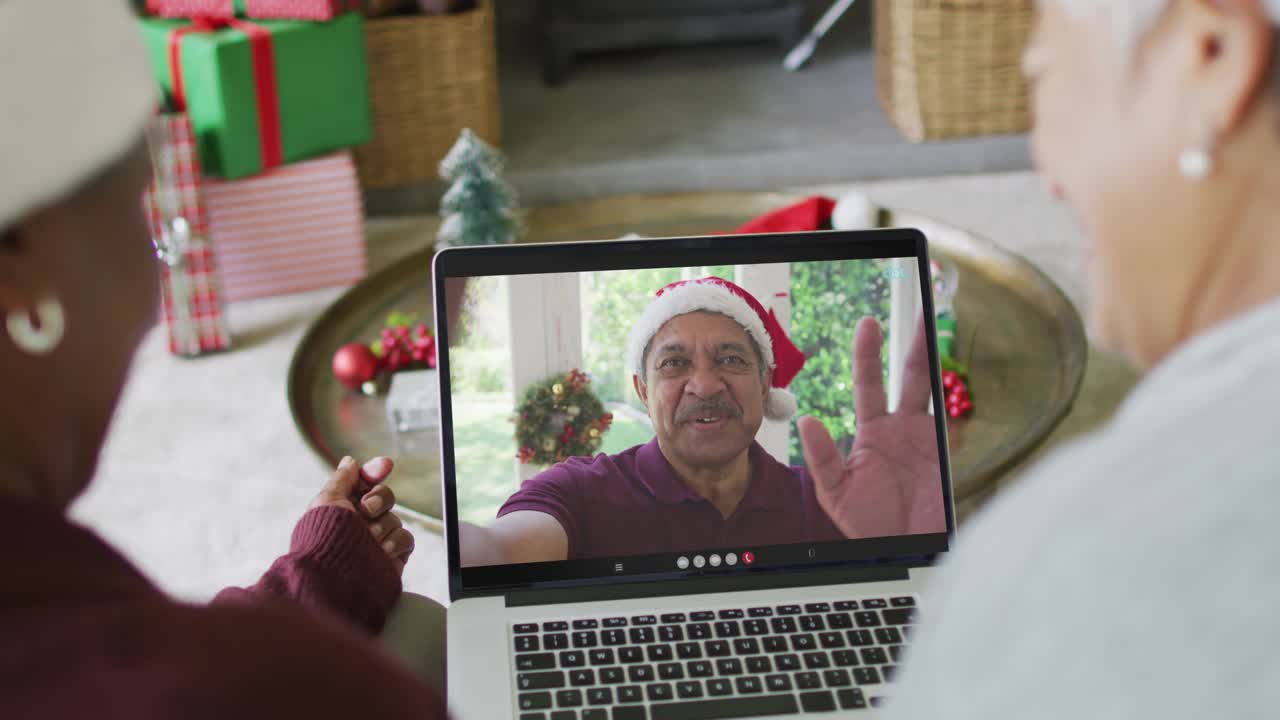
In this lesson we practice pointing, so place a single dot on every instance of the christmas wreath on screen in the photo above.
(560, 418)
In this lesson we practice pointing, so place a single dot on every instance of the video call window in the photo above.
(627, 498)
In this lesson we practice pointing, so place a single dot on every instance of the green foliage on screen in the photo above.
(827, 301)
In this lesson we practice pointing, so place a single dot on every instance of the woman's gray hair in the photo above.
(1131, 20)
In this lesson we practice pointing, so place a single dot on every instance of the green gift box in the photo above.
(265, 92)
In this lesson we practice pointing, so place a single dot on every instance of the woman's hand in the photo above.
(360, 490)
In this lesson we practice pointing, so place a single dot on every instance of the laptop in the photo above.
(632, 529)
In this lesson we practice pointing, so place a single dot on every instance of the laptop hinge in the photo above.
(702, 586)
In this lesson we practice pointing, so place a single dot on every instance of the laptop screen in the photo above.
(687, 407)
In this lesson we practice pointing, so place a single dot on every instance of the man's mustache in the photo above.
(703, 408)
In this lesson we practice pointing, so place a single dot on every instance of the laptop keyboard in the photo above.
(733, 662)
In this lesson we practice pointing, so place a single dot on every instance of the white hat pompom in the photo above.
(780, 404)
(855, 211)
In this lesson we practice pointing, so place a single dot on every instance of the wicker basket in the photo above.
(430, 76)
(952, 68)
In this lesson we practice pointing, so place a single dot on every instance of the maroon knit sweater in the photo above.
(84, 635)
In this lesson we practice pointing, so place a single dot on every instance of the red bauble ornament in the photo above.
(354, 364)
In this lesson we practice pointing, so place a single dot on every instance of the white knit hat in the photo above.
(713, 294)
(75, 94)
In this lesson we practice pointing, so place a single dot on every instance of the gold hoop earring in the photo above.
(38, 341)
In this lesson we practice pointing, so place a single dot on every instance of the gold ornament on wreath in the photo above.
(560, 418)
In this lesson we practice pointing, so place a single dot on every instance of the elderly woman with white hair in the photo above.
(1128, 576)
(84, 633)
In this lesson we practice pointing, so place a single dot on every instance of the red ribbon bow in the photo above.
(264, 79)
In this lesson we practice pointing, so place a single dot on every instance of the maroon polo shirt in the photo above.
(633, 503)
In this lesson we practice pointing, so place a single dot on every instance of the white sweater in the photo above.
(1135, 573)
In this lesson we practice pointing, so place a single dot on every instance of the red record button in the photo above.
(748, 557)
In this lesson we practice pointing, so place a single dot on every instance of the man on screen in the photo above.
(710, 363)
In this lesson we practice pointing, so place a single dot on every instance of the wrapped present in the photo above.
(191, 8)
(264, 93)
(299, 9)
(191, 298)
(265, 9)
(298, 227)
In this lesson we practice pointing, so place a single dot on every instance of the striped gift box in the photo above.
(301, 9)
(294, 228)
(265, 9)
(191, 8)
(191, 301)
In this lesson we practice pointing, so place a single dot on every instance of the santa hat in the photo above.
(76, 91)
(713, 294)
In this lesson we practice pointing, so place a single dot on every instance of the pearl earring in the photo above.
(1197, 163)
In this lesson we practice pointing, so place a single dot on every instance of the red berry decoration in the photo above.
(402, 344)
(958, 402)
(955, 384)
(405, 343)
(354, 364)
(398, 359)
(424, 350)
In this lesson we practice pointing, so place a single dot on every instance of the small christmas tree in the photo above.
(479, 207)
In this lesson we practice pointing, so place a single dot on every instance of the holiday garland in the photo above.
(560, 418)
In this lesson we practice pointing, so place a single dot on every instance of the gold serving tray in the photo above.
(1023, 339)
